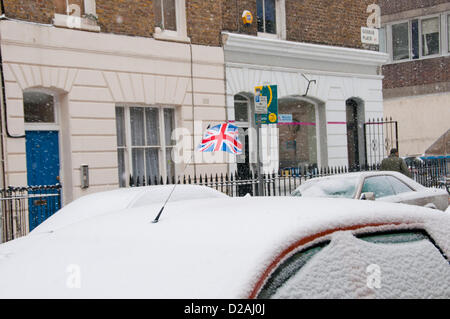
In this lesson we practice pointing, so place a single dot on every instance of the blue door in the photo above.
(43, 167)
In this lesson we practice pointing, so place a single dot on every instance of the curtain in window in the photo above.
(430, 36)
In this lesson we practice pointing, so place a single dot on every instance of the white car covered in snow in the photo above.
(221, 248)
(384, 186)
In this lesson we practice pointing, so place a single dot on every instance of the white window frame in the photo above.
(81, 23)
(443, 38)
(162, 140)
(54, 126)
(280, 15)
(181, 34)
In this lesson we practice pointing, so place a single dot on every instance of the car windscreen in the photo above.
(344, 187)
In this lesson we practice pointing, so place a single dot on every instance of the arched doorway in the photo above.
(355, 133)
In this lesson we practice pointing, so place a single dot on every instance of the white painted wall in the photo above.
(92, 73)
(427, 114)
(332, 89)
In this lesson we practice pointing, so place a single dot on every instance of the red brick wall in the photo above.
(204, 21)
(396, 6)
(327, 22)
(40, 11)
(315, 21)
(414, 73)
(128, 17)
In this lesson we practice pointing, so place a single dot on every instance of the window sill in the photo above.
(428, 57)
(269, 35)
(65, 21)
(170, 36)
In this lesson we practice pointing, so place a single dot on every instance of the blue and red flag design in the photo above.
(222, 137)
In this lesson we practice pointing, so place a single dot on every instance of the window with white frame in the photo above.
(271, 18)
(267, 18)
(170, 20)
(431, 37)
(76, 14)
(416, 38)
(144, 143)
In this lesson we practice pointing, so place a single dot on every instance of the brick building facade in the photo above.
(416, 84)
(112, 71)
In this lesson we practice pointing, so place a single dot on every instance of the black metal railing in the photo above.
(24, 208)
(285, 181)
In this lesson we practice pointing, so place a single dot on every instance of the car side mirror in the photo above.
(367, 196)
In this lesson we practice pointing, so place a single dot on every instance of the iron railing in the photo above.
(24, 208)
(285, 181)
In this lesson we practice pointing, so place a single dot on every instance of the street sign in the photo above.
(370, 36)
(270, 95)
(260, 104)
(285, 118)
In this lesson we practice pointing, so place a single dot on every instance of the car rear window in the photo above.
(408, 264)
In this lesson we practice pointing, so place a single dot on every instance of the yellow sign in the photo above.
(272, 117)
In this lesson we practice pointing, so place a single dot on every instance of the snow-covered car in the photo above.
(224, 248)
(384, 186)
(114, 200)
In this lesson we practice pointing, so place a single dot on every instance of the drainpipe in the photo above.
(4, 104)
(193, 110)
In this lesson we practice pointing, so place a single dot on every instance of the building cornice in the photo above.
(273, 48)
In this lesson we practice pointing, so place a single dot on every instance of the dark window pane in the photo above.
(169, 125)
(157, 10)
(137, 126)
(241, 111)
(170, 17)
(415, 38)
(120, 126)
(137, 157)
(152, 126)
(270, 16)
(39, 107)
(260, 14)
(400, 41)
(121, 162)
(170, 165)
(152, 163)
(430, 36)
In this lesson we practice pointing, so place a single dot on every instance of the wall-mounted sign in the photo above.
(270, 92)
(285, 118)
(370, 36)
(260, 104)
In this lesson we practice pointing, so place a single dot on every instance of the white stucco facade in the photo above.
(340, 74)
(92, 73)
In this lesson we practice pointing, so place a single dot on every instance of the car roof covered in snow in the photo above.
(372, 173)
(209, 248)
(117, 199)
